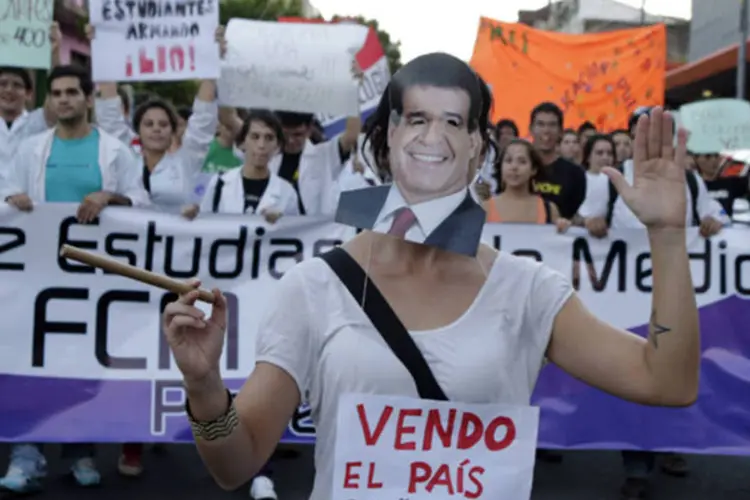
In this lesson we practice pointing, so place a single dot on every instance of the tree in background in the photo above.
(392, 49)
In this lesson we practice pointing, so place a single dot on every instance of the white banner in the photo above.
(158, 40)
(299, 67)
(68, 320)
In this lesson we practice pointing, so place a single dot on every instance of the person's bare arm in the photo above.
(663, 370)
(264, 405)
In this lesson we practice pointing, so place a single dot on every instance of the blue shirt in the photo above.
(73, 171)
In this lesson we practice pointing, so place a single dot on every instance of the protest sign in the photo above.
(397, 447)
(89, 344)
(24, 33)
(717, 125)
(374, 64)
(305, 68)
(597, 77)
(155, 40)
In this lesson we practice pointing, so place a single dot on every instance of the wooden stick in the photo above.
(135, 273)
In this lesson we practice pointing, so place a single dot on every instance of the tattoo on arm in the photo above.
(655, 329)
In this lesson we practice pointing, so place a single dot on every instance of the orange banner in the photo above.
(600, 77)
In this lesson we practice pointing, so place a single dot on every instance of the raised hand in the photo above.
(196, 341)
(658, 195)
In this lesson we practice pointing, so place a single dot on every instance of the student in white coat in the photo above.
(72, 163)
(313, 169)
(169, 177)
(358, 170)
(254, 188)
(16, 91)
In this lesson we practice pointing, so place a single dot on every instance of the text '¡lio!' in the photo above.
(419, 430)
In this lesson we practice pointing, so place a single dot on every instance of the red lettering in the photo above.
(177, 58)
(128, 66)
(350, 476)
(161, 58)
(470, 432)
(191, 51)
(491, 441)
(442, 477)
(372, 437)
(422, 473)
(371, 483)
(434, 424)
(475, 474)
(419, 472)
(145, 65)
(402, 429)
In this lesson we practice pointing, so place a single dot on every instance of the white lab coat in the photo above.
(624, 218)
(319, 169)
(118, 164)
(174, 179)
(279, 196)
(23, 127)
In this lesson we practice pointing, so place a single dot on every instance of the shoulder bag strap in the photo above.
(385, 321)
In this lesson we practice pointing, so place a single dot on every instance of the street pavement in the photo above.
(176, 472)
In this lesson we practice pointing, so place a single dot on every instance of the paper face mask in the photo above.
(425, 142)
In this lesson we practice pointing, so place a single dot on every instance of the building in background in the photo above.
(595, 16)
(309, 10)
(714, 42)
(72, 14)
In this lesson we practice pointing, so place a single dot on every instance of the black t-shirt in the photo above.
(727, 189)
(254, 189)
(289, 170)
(564, 184)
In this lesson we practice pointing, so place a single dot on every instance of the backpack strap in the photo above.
(547, 211)
(217, 194)
(385, 321)
(692, 182)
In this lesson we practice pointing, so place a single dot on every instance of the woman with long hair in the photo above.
(482, 323)
(598, 154)
(517, 169)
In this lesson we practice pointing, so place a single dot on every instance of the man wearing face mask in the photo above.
(564, 182)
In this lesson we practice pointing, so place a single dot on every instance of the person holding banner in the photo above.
(518, 169)
(477, 326)
(74, 162)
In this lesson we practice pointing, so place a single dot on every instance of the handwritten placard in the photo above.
(158, 40)
(717, 125)
(24, 33)
(291, 66)
(397, 447)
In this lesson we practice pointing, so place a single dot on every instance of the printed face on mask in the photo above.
(431, 147)
(433, 154)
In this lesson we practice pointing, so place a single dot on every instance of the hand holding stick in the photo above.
(135, 273)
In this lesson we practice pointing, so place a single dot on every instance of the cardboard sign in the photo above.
(304, 68)
(717, 125)
(398, 447)
(159, 40)
(24, 33)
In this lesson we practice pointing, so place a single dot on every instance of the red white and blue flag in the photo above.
(374, 64)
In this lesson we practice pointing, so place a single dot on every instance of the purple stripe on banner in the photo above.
(574, 415)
